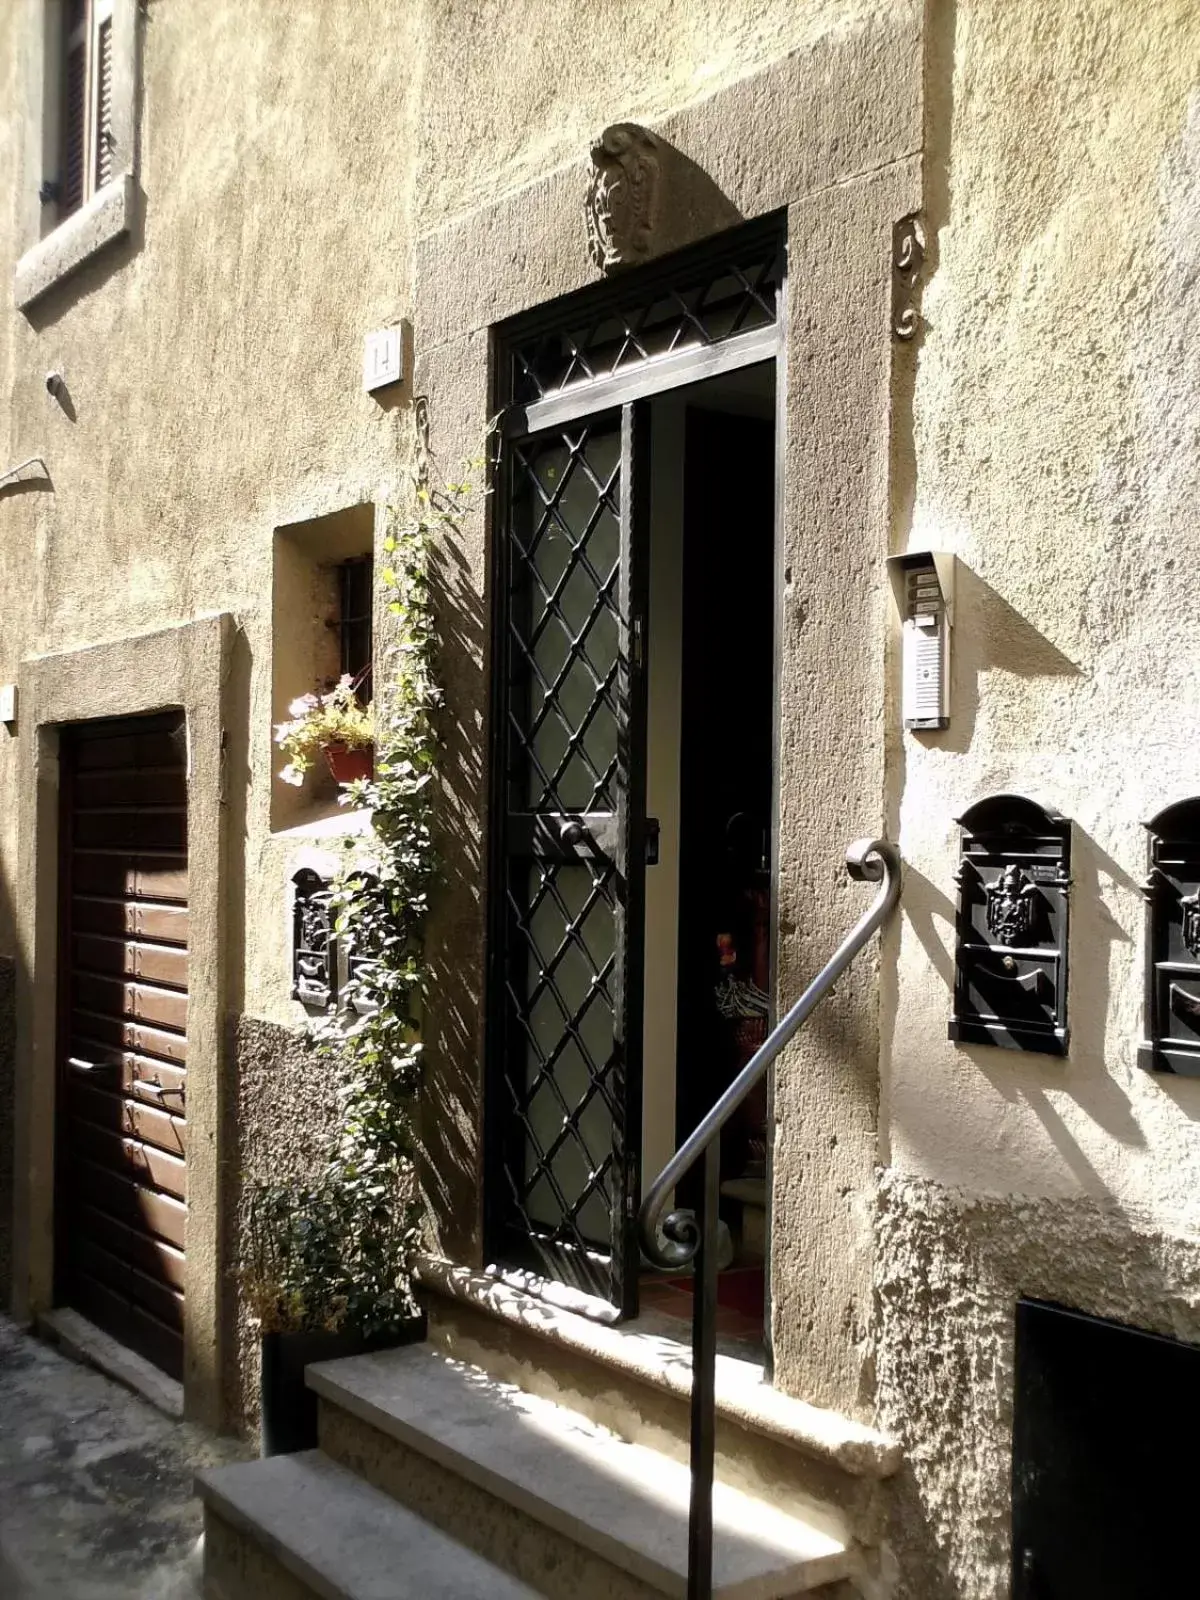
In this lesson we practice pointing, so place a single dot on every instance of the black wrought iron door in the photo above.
(565, 1082)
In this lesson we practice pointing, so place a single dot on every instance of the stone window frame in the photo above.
(53, 249)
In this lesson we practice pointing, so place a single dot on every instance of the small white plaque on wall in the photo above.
(383, 363)
(8, 702)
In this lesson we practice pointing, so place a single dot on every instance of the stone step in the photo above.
(300, 1526)
(551, 1495)
(635, 1378)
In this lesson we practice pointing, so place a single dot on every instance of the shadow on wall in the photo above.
(989, 634)
(452, 1109)
(8, 1035)
(59, 300)
(1027, 1076)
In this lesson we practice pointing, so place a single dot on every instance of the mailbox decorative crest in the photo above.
(1172, 952)
(1190, 907)
(1012, 906)
(1010, 980)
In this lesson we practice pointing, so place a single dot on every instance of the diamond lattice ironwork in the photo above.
(560, 991)
(700, 305)
(566, 679)
(564, 623)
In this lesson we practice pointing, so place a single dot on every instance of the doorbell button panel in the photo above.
(923, 587)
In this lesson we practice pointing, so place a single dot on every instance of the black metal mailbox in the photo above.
(314, 957)
(1010, 976)
(1172, 954)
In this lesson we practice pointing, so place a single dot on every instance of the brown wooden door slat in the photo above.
(158, 964)
(100, 790)
(122, 1127)
(153, 1256)
(116, 1035)
(138, 1205)
(119, 1113)
(140, 919)
(134, 1002)
(134, 876)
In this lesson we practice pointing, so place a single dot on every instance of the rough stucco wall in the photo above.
(544, 79)
(950, 1266)
(1056, 442)
(279, 1128)
(1055, 447)
(214, 359)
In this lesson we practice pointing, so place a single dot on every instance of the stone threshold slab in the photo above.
(624, 1503)
(743, 1395)
(344, 1539)
(80, 1339)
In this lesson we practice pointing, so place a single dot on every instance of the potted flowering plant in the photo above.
(335, 724)
(325, 1274)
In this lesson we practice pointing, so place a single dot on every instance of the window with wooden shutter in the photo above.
(87, 100)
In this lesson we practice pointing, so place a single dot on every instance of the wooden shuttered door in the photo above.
(122, 1123)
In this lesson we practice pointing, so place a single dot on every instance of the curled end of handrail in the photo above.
(868, 859)
(676, 1242)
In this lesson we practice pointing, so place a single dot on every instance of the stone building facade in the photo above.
(188, 452)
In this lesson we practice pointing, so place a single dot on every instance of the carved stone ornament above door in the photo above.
(645, 198)
(622, 196)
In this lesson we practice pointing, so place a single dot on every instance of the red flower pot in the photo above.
(346, 765)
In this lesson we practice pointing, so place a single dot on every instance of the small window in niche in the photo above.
(354, 625)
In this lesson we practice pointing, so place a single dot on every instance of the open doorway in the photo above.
(709, 774)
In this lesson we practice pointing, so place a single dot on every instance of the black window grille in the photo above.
(355, 603)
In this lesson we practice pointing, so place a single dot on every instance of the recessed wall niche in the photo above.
(1172, 952)
(320, 581)
(1010, 972)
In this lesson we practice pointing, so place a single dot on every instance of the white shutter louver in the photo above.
(74, 129)
(103, 71)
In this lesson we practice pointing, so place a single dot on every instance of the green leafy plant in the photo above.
(341, 1250)
(320, 720)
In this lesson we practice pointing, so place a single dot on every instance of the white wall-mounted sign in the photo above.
(383, 362)
(8, 702)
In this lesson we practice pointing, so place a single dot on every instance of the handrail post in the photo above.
(704, 1383)
(680, 1239)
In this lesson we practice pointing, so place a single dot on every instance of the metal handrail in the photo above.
(680, 1238)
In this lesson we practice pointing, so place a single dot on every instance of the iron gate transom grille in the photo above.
(703, 302)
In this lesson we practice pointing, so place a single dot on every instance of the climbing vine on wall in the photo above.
(349, 1239)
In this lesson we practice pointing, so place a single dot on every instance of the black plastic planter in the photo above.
(289, 1408)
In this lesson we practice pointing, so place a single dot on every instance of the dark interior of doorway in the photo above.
(725, 816)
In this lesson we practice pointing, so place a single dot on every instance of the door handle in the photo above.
(571, 832)
(652, 836)
(79, 1065)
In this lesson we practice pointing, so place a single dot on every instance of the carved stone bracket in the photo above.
(623, 196)
(908, 258)
(645, 198)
